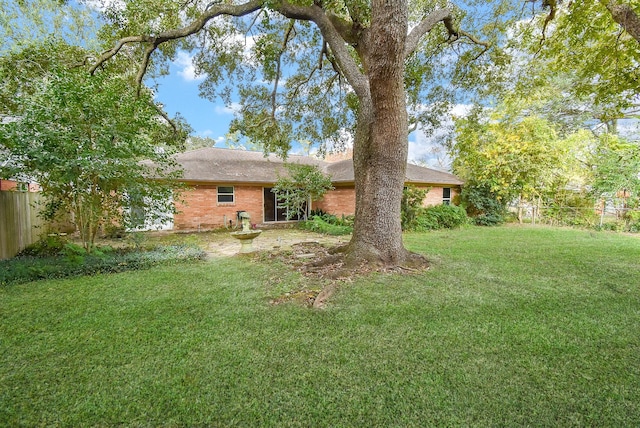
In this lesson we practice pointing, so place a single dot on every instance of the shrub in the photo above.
(632, 221)
(74, 263)
(611, 226)
(488, 219)
(411, 206)
(317, 212)
(571, 209)
(440, 217)
(48, 246)
(482, 205)
(330, 225)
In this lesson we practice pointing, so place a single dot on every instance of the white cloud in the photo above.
(430, 149)
(187, 71)
(102, 5)
(232, 109)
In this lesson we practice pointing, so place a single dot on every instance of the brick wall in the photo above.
(7, 185)
(434, 197)
(339, 201)
(11, 185)
(202, 210)
(342, 200)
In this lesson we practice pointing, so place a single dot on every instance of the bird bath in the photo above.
(246, 235)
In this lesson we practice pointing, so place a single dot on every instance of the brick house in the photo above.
(222, 182)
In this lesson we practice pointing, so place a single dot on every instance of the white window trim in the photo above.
(447, 201)
(233, 195)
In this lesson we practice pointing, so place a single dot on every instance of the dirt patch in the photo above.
(321, 270)
(224, 245)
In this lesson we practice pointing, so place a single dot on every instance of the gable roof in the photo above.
(342, 172)
(228, 165)
(217, 165)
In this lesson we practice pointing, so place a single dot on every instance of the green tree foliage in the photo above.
(36, 20)
(482, 204)
(22, 70)
(301, 185)
(82, 138)
(412, 199)
(505, 157)
(581, 48)
(616, 172)
(513, 159)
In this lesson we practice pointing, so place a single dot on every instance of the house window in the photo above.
(22, 186)
(446, 195)
(225, 194)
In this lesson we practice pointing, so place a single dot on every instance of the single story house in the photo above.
(222, 182)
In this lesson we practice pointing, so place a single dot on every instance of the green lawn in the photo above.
(510, 327)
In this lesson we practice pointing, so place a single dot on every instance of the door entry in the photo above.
(272, 207)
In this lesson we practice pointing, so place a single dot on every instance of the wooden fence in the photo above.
(20, 224)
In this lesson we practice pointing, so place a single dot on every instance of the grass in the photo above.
(510, 327)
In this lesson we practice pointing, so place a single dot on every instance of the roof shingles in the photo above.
(218, 165)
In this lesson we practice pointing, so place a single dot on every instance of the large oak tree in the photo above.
(330, 67)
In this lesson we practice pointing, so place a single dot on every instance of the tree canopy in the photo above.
(581, 51)
(82, 138)
(616, 171)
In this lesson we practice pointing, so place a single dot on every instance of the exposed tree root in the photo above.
(331, 267)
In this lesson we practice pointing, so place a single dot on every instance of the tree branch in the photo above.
(624, 15)
(279, 66)
(178, 33)
(346, 29)
(165, 117)
(355, 12)
(334, 39)
(552, 14)
(424, 27)
(476, 41)
(107, 55)
(143, 67)
(429, 23)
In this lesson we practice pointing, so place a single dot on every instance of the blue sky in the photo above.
(178, 92)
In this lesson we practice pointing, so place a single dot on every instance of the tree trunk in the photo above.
(520, 209)
(624, 15)
(381, 143)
